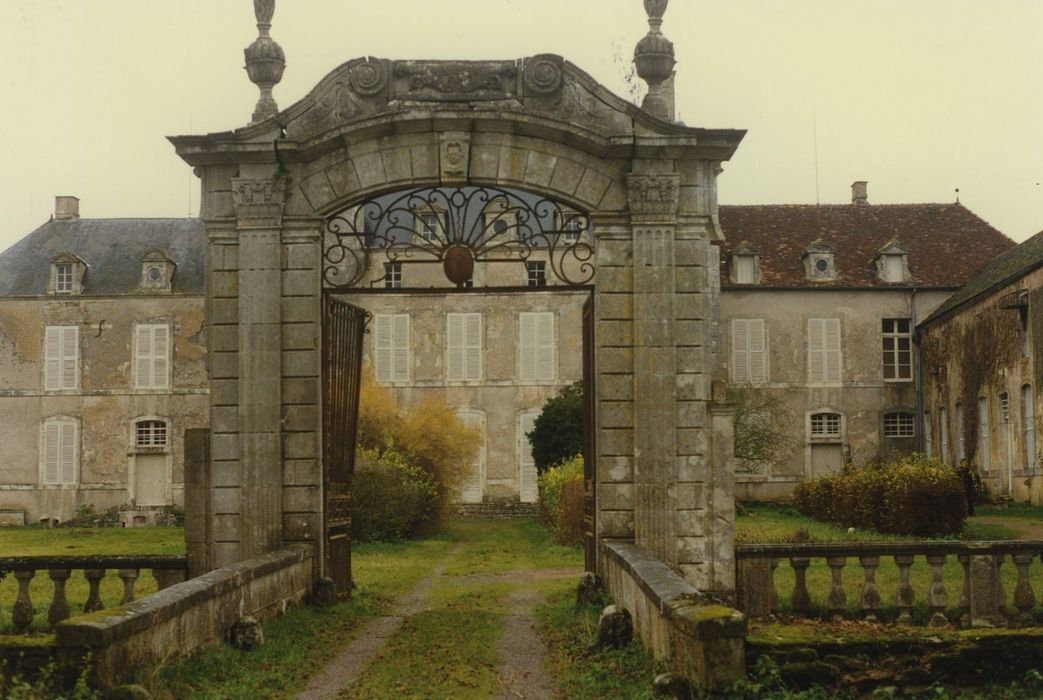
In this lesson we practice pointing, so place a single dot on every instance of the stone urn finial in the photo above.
(654, 60)
(265, 61)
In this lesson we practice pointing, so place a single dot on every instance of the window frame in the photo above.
(537, 344)
(536, 273)
(394, 350)
(828, 417)
(891, 344)
(393, 275)
(151, 428)
(743, 354)
(1028, 428)
(63, 425)
(475, 351)
(55, 366)
(984, 438)
(152, 356)
(64, 281)
(899, 425)
(824, 325)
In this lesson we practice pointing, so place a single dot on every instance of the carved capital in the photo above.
(654, 197)
(259, 203)
(455, 156)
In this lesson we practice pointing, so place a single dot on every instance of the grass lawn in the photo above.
(763, 523)
(80, 541)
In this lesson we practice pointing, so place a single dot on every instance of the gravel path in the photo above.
(523, 671)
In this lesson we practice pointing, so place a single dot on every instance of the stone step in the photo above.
(496, 510)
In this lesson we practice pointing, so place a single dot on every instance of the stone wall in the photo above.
(177, 620)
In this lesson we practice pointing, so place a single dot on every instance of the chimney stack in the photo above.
(66, 208)
(859, 196)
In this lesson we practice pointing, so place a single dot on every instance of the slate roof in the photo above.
(947, 243)
(112, 249)
(1013, 264)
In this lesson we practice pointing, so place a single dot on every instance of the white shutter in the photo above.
(68, 452)
(473, 356)
(740, 351)
(143, 357)
(816, 351)
(400, 349)
(70, 353)
(831, 328)
(455, 347)
(160, 356)
(757, 344)
(545, 346)
(527, 346)
(52, 358)
(51, 452)
(527, 465)
(382, 348)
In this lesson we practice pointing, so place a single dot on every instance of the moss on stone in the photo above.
(35, 641)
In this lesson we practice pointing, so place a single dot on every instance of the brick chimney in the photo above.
(859, 196)
(66, 208)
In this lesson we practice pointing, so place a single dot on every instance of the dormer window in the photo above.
(501, 221)
(745, 265)
(819, 263)
(157, 272)
(67, 272)
(572, 226)
(892, 263)
(430, 224)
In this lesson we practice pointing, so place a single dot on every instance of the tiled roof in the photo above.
(1008, 267)
(947, 243)
(112, 249)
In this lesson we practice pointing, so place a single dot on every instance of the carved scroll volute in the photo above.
(259, 203)
(654, 198)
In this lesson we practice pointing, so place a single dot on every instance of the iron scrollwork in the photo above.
(429, 225)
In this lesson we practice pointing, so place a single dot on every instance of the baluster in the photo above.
(837, 601)
(937, 598)
(906, 596)
(22, 612)
(870, 594)
(800, 601)
(94, 577)
(1001, 595)
(130, 577)
(1024, 597)
(774, 564)
(59, 609)
(965, 590)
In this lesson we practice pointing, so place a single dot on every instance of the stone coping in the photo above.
(675, 599)
(104, 627)
(863, 549)
(119, 561)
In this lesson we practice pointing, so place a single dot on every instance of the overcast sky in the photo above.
(917, 97)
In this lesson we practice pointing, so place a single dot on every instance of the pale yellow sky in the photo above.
(917, 97)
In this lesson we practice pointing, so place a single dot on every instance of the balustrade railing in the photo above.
(963, 583)
(167, 570)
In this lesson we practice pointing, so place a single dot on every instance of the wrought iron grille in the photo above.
(457, 227)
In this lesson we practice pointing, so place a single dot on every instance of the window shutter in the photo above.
(527, 346)
(160, 356)
(545, 346)
(70, 357)
(832, 349)
(53, 359)
(757, 350)
(455, 351)
(143, 359)
(68, 452)
(400, 348)
(51, 459)
(382, 349)
(816, 350)
(740, 351)
(529, 491)
(473, 359)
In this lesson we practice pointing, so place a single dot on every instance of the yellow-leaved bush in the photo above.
(907, 495)
(427, 436)
(561, 500)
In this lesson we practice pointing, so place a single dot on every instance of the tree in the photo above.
(557, 434)
(763, 429)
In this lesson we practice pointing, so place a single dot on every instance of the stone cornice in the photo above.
(654, 198)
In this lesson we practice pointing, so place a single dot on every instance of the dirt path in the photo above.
(523, 671)
(1027, 528)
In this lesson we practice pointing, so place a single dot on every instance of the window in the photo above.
(825, 425)
(749, 351)
(898, 349)
(744, 269)
(392, 354)
(573, 227)
(893, 269)
(59, 451)
(63, 278)
(899, 425)
(1023, 317)
(960, 447)
(61, 358)
(150, 433)
(1029, 428)
(927, 433)
(943, 427)
(152, 356)
(392, 275)
(464, 350)
(429, 226)
(823, 350)
(537, 271)
(984, 457)
(1005, 407)
(536, 349)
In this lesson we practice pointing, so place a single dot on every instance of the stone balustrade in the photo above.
(980, 601)
(167, 570)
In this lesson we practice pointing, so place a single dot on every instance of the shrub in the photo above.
(561, 500)
(557, 433)
(913, 495)
(392, 500)
(427, 435)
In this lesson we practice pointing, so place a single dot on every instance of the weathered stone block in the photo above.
(224, 284)
(613, 414)
(397, 164)
(223, 258)
(540, 168)
(225, 473)
(227, 524)
(616, 524)
(301, 445)
(615, 334)
(692, 441)
(693, 387)
(692, 468)
(301, 527)
(611, 307)
(614, 279)
(615, 253)
(615, 387)
(224, 392)
(424, 162)
(567, 175)
(301, 256)
(300, 418)
(618, 441)
(615, 496)
(615, 469)
(691, 281)
(615, 627)
(616, 360)
(224, 365)
(300, 283)
(301, 499)
(301, 472)
(342, 178)
(593, 186)
(692, 414)
(300, 309)
(693, 359)
(690, 496)
(693, 307)
(224, 419)
(300, 363)
(224, 312)
(226, 500)
(485, 161)
(691, 549)
(317, 190)
(223, 338)
(370, 169)
(300, 391)
(689, 332)
(224, 446)
(512, 164)
(691, 523)
(300, 336)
